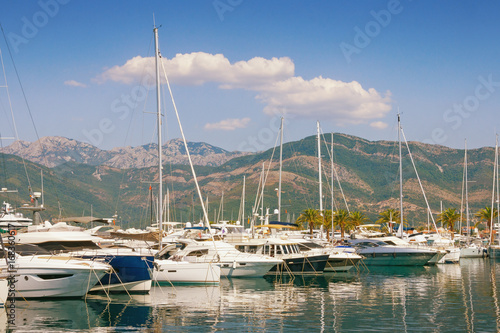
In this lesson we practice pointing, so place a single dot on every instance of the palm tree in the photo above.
(485, 214)
(390, 215)
(311, 217)
(341, 220)
(358, 218)
(327, 222)
(449, 217)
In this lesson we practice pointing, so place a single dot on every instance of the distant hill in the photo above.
(56, 150)
(367, 171)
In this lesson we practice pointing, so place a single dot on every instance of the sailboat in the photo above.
(494, 247)
(168, 270)
(391, 251)
(470, 250)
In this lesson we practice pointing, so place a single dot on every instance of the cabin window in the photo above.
(53, 276)
(198, 253)
(252, 249)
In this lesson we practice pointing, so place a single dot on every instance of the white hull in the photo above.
(4, 291)
(472, 252)
(245, 269)
(170, 271)
(46, 276)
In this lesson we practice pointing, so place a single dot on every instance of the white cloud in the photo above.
(379, 125)
(74, 83)
(323, 98)
(272, 79)
(228, 124)
(199, 67)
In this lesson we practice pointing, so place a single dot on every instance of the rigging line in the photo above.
(205, 215)
(267, 172)
(420, 183)
(305, 198)
(336, 174)
(10, 103)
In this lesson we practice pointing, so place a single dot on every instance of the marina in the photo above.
(443, 298)
(112, 220)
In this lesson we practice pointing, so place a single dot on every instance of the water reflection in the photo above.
(445, 298)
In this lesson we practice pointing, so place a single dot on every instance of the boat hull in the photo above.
(396, 258)
(130, 273)
(494, 251)
(303, 265)
(472, 252)
(56, 277)
(341, 264)
(4, 291)
(178, 272)
(246, 268)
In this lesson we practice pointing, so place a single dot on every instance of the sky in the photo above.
(85, 70)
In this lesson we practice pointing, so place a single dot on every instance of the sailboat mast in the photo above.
(319, 171)
(281, 167)
(400, 178)
(331, 175)
(158, 111)
(466, 196)
(243, 203)
(495, 183)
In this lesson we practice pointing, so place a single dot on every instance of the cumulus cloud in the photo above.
(74, 83)
(228, 124)
(199, 67)
(323, 98)
(273, 80)
(379, 125)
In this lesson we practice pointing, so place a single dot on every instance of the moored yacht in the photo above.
(131, 269)
(10, 218)
(293, 261)
(376, 252)
(54, 276)
(340, 258)
(233, 263)
(168, 271)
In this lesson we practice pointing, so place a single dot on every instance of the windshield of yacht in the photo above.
(374, 243)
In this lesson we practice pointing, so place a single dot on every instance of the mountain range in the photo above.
(79, 178)
(55, 150)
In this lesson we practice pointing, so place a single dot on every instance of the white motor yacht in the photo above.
(168, 271)
(233, 263)
(54, 276)
(10, 218)
(376, 252)
(341, 258)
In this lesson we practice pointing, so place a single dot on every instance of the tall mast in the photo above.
(400, 177)
(281, 167)
(243, 203)
(495, 183)
(158, 111)
(466, 195)
(331, 175)
(319, 171)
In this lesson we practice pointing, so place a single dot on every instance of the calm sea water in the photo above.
(446, 298)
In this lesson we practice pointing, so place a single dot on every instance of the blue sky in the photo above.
(236, 66)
